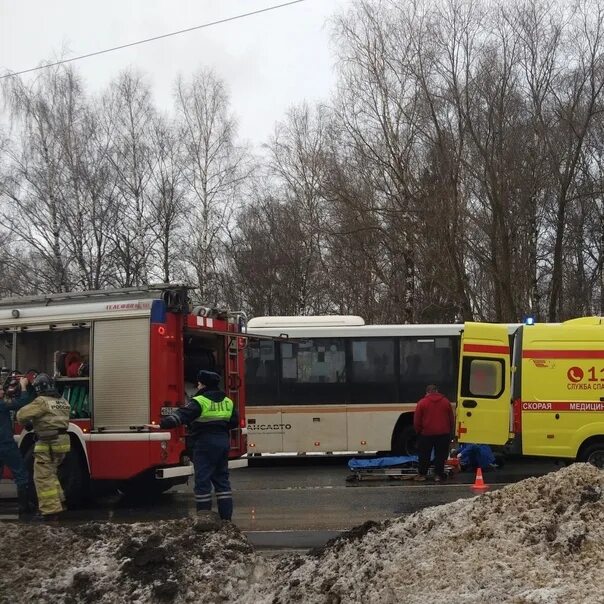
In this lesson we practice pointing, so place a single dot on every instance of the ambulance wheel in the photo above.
(594, 454)
(405, 441)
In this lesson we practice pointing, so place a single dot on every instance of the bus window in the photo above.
(372, 373)
(426, 361)
(261, 373)
(313, 371)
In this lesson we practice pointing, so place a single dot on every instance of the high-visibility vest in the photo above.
(214, 411)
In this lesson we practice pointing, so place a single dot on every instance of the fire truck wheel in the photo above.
(74, 477)
(594, 454)
(404, 441)
(72, 474)
(145, 486)
(28, 458)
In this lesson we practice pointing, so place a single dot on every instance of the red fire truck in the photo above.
(123, 358)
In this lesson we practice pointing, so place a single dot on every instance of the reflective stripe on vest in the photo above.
(214, 411)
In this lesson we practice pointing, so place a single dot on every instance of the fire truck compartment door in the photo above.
(483, 398)
(120, 373)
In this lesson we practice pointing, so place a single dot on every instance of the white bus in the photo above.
(336, 384)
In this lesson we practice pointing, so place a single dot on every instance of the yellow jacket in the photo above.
(47, 414)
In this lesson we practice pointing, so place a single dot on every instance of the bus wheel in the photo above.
(594, 454)
(405, 441)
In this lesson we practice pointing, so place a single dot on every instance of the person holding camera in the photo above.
(9, 452)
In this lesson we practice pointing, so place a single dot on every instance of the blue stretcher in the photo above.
(403, 467)
(382, 462)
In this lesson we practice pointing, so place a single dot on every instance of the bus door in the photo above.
(483, 398)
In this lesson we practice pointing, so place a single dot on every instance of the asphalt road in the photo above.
(300, 502)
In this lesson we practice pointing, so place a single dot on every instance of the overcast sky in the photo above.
(269, 61)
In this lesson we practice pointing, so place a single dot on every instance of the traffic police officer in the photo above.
(49, 415)
(210, 414)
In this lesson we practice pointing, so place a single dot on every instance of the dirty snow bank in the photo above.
(539, 541)
(173, 561)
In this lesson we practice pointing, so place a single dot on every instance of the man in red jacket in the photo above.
(434, 424)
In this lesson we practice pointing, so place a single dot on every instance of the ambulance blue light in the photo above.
(529, 321)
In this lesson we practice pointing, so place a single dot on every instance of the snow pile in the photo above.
(196, 560)
(538, 541)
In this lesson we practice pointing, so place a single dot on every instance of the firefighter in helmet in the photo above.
(48, 414)
(9, 452)
(210, 415)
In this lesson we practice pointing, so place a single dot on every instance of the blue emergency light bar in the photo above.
(158, 311)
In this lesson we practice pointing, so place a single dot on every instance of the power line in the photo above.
(173, 33)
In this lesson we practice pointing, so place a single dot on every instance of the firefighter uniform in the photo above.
(50, 418)
(210, 415)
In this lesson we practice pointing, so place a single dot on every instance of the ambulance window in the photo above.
(482, 377)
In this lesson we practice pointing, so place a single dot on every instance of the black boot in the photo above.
(24, 502)
(46, 517)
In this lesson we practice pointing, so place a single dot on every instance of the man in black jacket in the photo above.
(210, 415)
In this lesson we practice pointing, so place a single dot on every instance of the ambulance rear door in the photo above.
(483, 397)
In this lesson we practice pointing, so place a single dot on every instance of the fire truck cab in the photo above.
(122, 359)
(538, 392)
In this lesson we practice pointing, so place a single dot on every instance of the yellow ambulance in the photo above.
(539, 391)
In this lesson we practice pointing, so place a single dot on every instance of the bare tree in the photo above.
(214, 169)
(167, 197)
(358, 256)
(584, 264)
(456, 174)
(564, 71)
(267, 254)
(299, 166)
(33, 189)
(379, 105)
(89, 205)
(128, 123)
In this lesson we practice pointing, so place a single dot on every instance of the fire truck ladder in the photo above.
(233, 381)
(174, 294)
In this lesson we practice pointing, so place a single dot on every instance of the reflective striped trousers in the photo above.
(211, 463)
(48, 458)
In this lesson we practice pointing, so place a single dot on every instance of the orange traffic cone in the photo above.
(479, 481)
